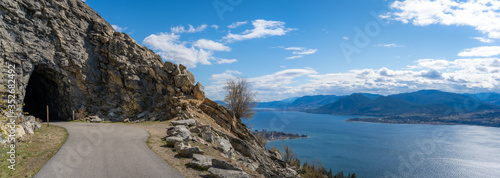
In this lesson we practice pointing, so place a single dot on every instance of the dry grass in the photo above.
(33, 151)
(157, 131)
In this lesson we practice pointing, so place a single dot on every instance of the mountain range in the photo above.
(431, 102)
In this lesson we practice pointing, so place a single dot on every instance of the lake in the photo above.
(387, 150)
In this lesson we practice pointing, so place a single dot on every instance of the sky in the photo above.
(290, 48)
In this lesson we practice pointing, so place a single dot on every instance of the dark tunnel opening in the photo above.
(43, 91)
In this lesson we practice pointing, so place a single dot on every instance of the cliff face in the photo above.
(69, 58)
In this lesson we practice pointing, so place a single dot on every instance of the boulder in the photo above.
(188, 122)
(20, 131)
(224, 165)
(169, 67)
(248, 163)
(182, 67)
(179, 131)
(141, 115)
(172, 140)
(208, 135)
(190, 77)
(199, 140)
(201, 162)
(30, 124)
(95, 119)
(224, 145)
(181, 145)
(223, 173)
(188, 152)
(199, 91)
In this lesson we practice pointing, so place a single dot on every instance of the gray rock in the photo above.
(224, 165)
(201, 162)
(188, 122)
(188, 152)
(181, 145)
(143, 114)
(95, 119)
(30, 124)
(179, 131)
(223, 173)
(224, 145)
(208, 135)
(172, 140)
(199, 140)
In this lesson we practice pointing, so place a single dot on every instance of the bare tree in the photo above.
(240, 98)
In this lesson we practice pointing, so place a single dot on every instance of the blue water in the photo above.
(387, 150)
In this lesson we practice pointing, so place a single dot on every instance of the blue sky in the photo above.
(296, 48)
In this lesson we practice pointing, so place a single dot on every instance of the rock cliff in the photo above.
(69, 58)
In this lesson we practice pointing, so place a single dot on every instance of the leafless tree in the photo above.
(240, 98)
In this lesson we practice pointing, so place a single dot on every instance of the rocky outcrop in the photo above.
(24, 125)
(67, 51)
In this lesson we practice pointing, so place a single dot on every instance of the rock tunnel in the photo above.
(46, 88)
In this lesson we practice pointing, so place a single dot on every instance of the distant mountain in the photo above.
(311, 102)
(432, 102)
(369, 95)
(491, 98)
(300, 103)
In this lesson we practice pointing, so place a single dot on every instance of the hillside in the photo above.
(430, 102)
(491, 98)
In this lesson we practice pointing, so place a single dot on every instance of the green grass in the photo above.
(33, 151)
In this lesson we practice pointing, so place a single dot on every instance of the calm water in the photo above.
(387, 150)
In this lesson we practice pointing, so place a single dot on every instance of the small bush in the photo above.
(261, 139)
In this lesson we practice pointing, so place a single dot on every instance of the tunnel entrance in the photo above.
(45, 88)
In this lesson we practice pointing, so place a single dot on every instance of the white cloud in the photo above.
(227, 75)
(460, 76)
(483, 51)
(225, 61)
(118, 28)
(170, 48)
(262, 29)
(431, 64)
(345, 38)
(267, 86)
(214, 26)
(305, 51)
(300, 52)
(484, 40)
(294, 57)
(483, 15)
(191, 29)
(390, 45)
(237, 24)
(211, 45)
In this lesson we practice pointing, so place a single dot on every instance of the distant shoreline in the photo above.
(488, 118)
(276, 135)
